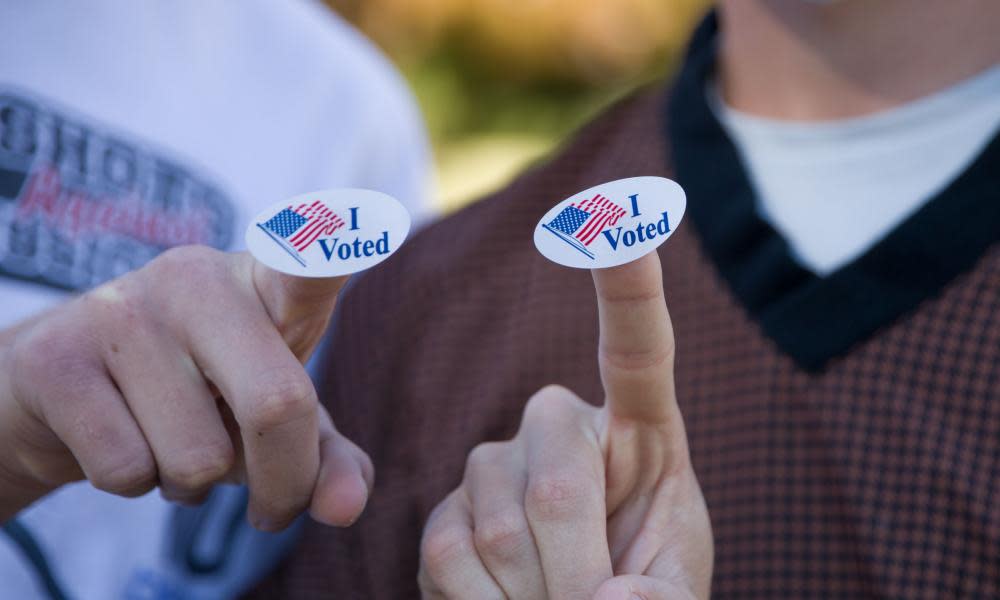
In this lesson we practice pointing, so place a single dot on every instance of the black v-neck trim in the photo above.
(815, 319)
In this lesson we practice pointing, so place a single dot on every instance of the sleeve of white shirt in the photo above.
(393, 153)
(399, 162)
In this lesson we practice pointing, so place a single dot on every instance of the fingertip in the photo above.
(340, 500)
(342, 491)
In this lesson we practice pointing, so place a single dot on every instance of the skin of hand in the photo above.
(183, 374)
(585, 502)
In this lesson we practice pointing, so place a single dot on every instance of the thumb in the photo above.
(300, 307)
(287, 294)
(641, 587)
(346, 477)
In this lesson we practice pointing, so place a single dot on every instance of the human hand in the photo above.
(585, 502)
(182, 374)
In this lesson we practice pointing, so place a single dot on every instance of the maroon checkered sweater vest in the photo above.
(864, 467)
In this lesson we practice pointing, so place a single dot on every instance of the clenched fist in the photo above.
(585, 502)
(183, 374)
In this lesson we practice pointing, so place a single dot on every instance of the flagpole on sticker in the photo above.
(283, 245)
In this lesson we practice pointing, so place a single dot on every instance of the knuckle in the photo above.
(558, 496)
(197, 266)
(37, 356)
(443, 546)
(53, 354)
(284, 396)
(198, 469)
(117, 305)
(184, 258)
(556, 408)
(485, 454)
(131, 477)
(550, 401)
(553, 392)
(503, 534)
(662, 356)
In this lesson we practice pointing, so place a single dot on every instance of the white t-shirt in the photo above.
(834, 189)
(128, 127)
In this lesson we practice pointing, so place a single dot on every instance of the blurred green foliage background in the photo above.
(501, 83)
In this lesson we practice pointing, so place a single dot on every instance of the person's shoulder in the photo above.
(312, 41)
(352, 106)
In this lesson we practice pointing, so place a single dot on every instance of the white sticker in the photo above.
(612, 223)
(328, 233)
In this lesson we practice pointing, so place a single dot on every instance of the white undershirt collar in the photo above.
(832, 189)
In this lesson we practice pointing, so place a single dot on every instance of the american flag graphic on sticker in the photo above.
(580, 223)
(328, 233)
(296, 229)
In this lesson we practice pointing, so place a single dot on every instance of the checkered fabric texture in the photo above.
(876, 478)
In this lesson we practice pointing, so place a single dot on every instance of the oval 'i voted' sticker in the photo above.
(328, 233)
(612, 223)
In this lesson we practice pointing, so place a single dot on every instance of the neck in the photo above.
(796, 60)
